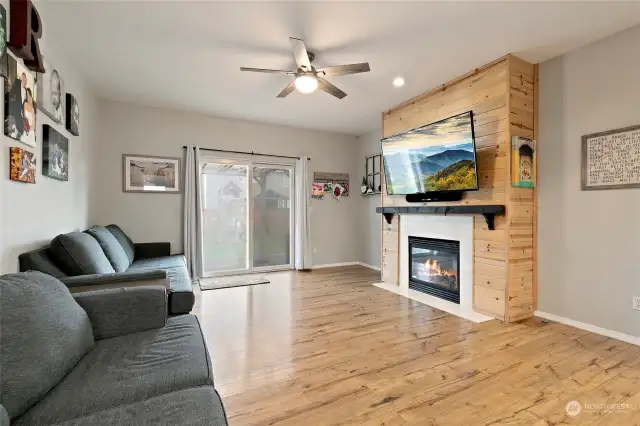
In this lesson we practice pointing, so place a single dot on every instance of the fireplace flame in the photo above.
(434, 268)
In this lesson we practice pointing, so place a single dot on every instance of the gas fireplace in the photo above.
(434, 267)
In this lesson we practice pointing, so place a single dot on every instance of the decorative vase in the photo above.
(363, 189)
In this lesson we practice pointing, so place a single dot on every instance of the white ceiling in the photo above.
(187, 55)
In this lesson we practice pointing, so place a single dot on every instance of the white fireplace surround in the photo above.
(457, 228)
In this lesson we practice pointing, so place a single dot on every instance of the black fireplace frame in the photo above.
(425, 286)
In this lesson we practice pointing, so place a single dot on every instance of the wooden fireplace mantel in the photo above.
(488, 211)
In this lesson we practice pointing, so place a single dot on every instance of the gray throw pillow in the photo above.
(44, 334)
(111, 248)
(78, 253)
(124, 241)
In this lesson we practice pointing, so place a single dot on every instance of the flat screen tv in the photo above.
(438, 157)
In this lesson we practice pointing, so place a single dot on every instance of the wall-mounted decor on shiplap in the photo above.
(20, 103)
(22, 165)
(523, 162)
(611, 160)
(51, 93)
(72, 121)
(3, 41)
(55, 154)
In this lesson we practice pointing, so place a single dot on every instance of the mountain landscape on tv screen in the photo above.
(421, 170)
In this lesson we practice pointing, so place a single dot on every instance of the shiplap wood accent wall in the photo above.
(503, 98)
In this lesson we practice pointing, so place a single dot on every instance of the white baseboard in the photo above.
(366, 265)
(588, 327)
(334, 265)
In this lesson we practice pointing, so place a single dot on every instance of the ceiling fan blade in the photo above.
(290, 88)
(300, 54)
(330, 88)
(267, 71)
(345, 69)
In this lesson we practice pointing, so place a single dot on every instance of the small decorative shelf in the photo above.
(372, 193)
(489, 211)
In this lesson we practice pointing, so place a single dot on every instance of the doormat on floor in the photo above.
(215, 283)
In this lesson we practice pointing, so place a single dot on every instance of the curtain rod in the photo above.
(245, 152)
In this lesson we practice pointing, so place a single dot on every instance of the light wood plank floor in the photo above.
(328, 348)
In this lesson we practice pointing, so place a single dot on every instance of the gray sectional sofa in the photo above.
(107, 357)
(105, 257)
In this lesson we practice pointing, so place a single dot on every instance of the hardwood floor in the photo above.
(328, 348)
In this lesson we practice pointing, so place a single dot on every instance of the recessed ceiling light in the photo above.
(398, 81)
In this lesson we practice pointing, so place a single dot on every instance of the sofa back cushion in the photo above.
(79, 253)
(44, 334)
(111, 248)
(124, 241)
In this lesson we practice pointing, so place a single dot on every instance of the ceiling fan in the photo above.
(309, 78)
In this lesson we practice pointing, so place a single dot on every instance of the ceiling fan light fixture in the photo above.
(306, 83)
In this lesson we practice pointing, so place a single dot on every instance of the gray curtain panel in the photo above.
(303, 250)
(192, 229)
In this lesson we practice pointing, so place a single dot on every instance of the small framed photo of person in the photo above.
(20, 103)
(55, 154)
(523, 162)
(51, 93)
(73, 115)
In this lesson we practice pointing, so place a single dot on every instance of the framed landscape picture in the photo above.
(611, 159)
(143, 173)
(20, 103)
(55, 154)
(22, 165)
(51, 93)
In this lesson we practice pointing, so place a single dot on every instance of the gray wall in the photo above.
(369, 225)
(589, 241)
(31, 215)
(131, 129)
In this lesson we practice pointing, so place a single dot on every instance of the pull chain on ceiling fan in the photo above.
(309, 78)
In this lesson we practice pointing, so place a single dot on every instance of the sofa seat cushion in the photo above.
(181, 297)
(199, 406)
(44, 333)
(173, 261)
(111, 248)
(78, 253)
(129, 369)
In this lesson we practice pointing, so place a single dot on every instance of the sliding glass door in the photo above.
(247, 216)
(225, 227)
(272, 216)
